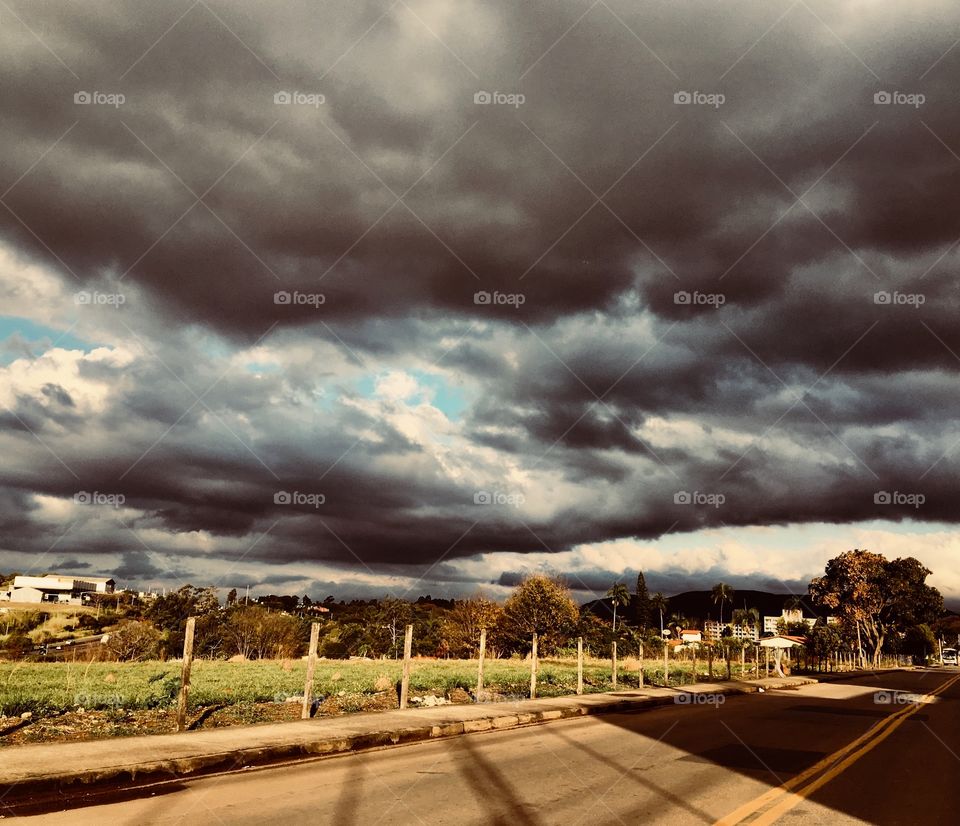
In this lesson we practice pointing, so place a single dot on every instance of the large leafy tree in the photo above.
(542, 605)
(877, 596)
(170, 612)
(462, 626)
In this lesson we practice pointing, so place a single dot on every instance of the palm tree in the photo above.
(793, 603)
(619, 595)
(721, 593)
(659, 603)
(677, 623)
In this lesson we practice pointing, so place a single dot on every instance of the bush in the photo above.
(134, 640)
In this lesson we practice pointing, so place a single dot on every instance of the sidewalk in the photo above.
(36, 771)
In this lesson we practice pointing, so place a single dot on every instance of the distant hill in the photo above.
(699, 605)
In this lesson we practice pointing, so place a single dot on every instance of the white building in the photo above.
(713, 630)
(770, 623)
(688, 635)
(57, 588)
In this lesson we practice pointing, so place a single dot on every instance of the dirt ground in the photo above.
(94, 725)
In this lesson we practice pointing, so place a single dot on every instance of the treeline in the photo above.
(882, 607)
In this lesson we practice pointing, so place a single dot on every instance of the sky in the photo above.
(420, 296)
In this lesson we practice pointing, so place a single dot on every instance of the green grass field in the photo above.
(62, 686)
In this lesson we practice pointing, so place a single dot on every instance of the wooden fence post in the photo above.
(766, 662)
(695, 652)
(533, 668)
(405, 679)
(311, 667)
(666, 663)
(710, 662)
(579, 665)
(640, 679)
(185, 674)
(613, 659)
(483, 651)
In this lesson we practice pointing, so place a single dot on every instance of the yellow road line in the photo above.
(853, 751)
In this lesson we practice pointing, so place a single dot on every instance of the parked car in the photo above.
(949, 656)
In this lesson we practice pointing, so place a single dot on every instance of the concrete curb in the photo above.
(45, 771)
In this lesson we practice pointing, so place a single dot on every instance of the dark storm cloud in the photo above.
(791, 205)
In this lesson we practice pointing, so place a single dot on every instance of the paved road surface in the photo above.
(672, 766)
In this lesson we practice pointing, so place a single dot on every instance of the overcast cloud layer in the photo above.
(690, 273)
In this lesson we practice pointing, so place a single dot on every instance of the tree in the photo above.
(642, 607)
(134, 640)
(877, 596)
(253, 632)
(747, 619)
(462, 626)
(231, 597)
(659, 604)
(676, 624)
(169, 613)
(392, 615)
(541, 605)
(920, 643)
(619, 595)
(793, 603)
(720, 594)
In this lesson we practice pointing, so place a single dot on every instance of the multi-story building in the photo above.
(713, 630)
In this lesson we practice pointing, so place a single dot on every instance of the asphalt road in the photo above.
(844, 757)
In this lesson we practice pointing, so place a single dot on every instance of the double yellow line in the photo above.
(797, 789)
